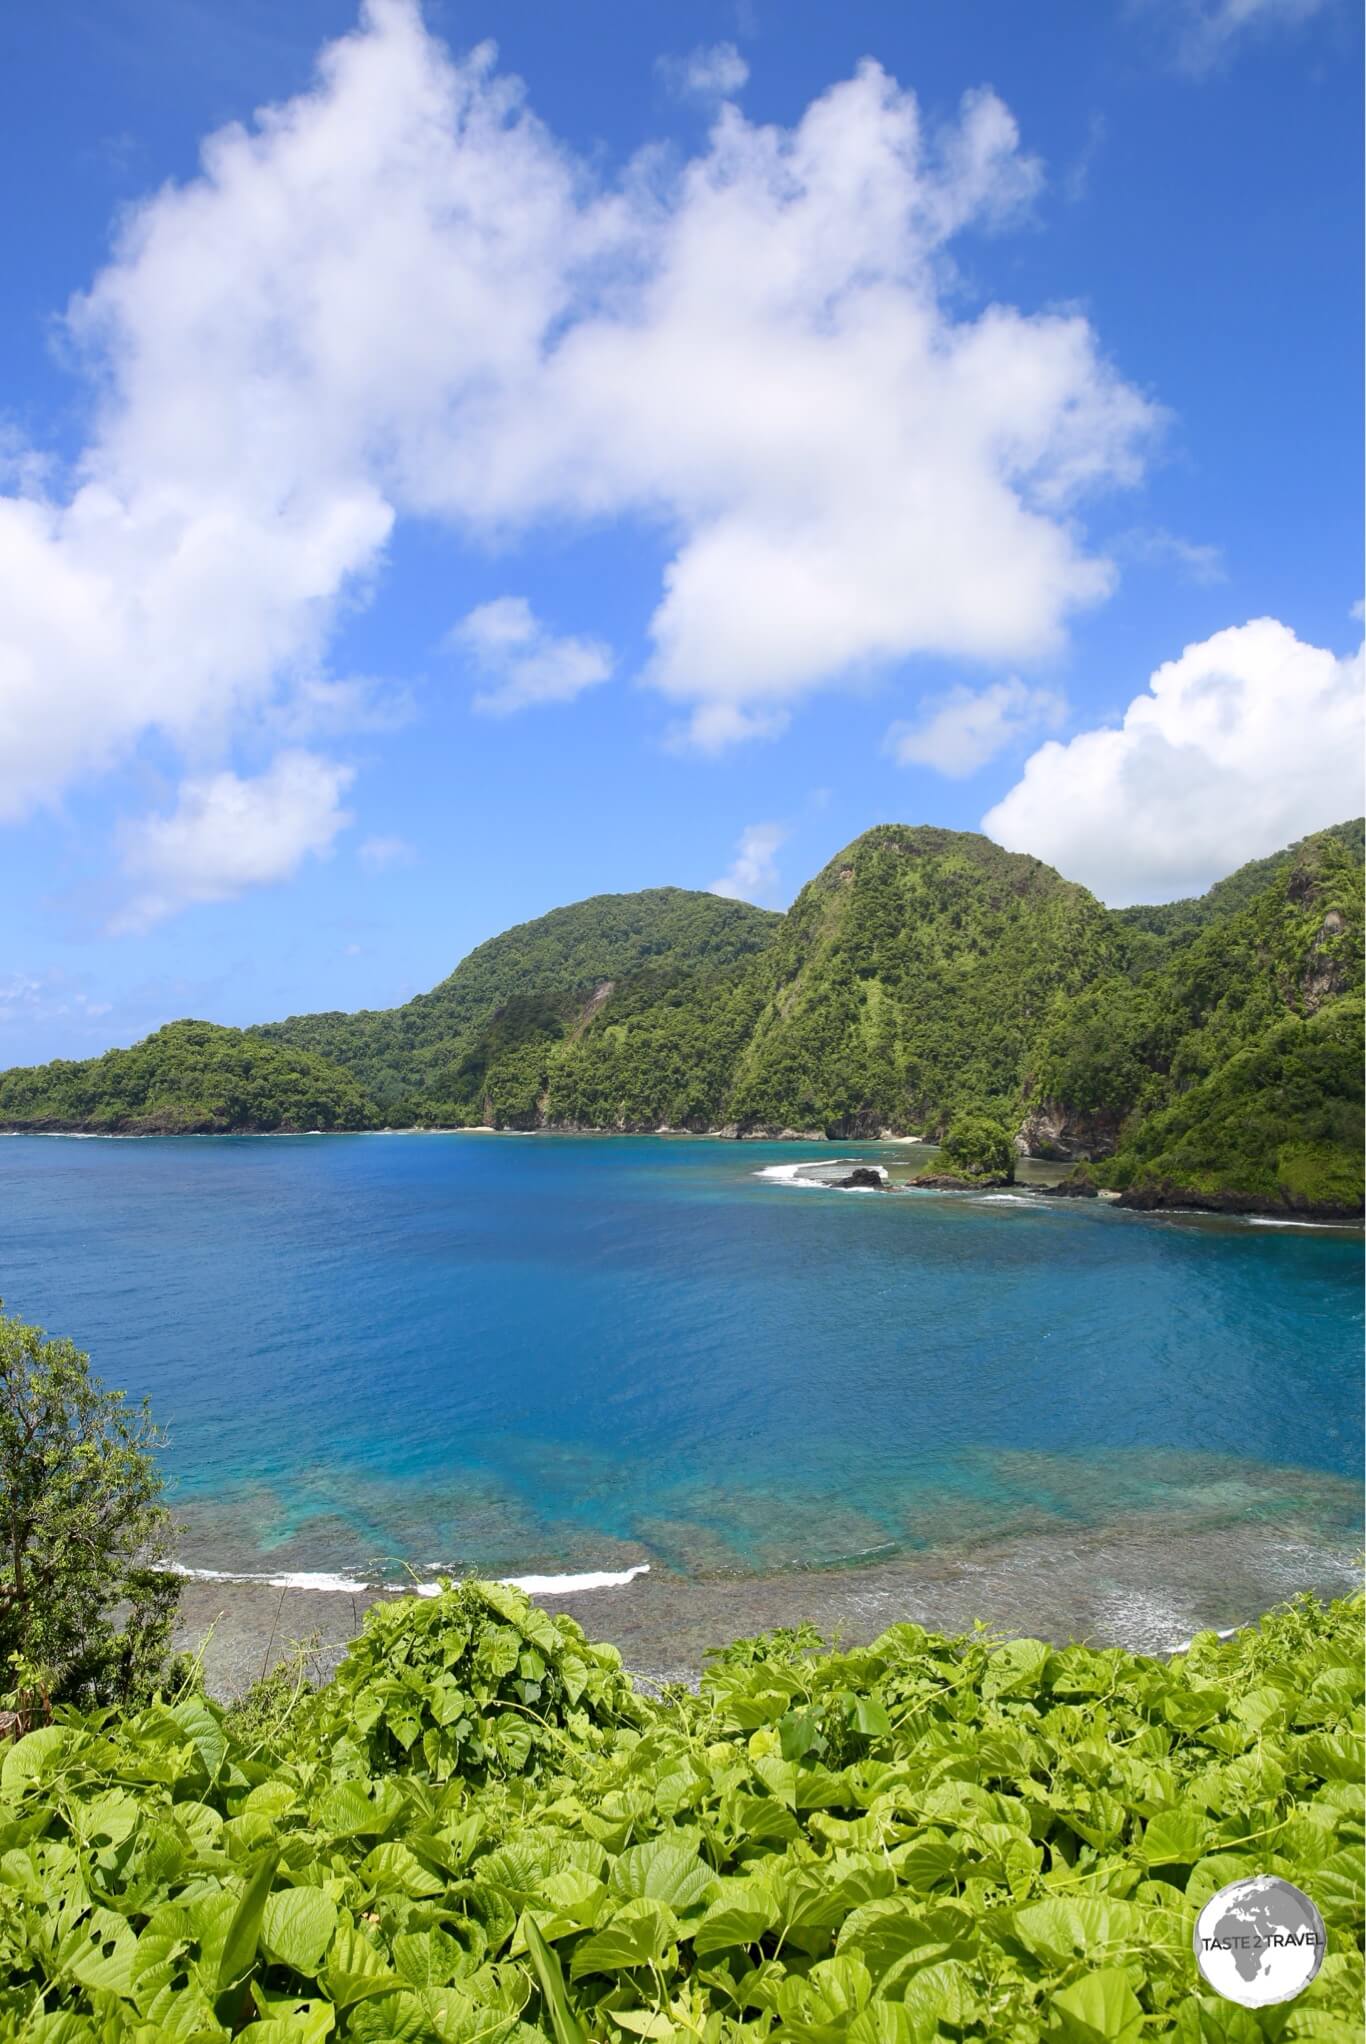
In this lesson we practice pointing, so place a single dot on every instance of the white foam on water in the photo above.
(563, 1586)
(809, 1173)
(1267, 1221)
(1011, 1199)
(1187, 1644)
(1144, 1620)
(321, 1579)
(298, 1579)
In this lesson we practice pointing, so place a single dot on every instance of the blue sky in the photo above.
(440, 497)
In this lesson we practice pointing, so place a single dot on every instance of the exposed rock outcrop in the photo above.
(1326, 973)
(1158, 1195)
(954, 1181)
(1064, 1135)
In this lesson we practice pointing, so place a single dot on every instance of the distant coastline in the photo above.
(1204, 1054)
(1173, 1204)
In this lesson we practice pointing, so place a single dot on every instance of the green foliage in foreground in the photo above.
(82, 1528)
(478, 1832)
(979, 1147)
(190, 1078)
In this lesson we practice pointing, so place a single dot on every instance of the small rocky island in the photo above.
(978, 1151)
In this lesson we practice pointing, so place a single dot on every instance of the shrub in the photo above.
(979, 1147)
(476, 1682)
(83, 1533)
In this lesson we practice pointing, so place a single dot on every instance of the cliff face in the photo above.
(1063, 1134)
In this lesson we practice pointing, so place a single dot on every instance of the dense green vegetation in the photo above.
(908, 979)
(481, 1045)
(924, 974)
(478, 1831)
(978, 1147)
(1231, 1073)
(83, 1533)
(1278, 1124)
(189, 1078)
(1175, 921)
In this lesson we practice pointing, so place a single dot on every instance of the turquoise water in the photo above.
(560, 1354)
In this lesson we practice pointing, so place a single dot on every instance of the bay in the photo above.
(378, 1356)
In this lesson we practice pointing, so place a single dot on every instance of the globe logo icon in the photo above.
(1259, 1941)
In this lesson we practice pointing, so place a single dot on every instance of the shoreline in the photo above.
(1233, 1209)
(1147, 1585)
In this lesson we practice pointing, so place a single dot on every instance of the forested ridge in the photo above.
(475, 1042)
(1205, 1049)
(189, 1078)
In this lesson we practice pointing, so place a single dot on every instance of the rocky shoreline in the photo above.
(1147, 1584)
(1167, 1198)
(1163, 1197)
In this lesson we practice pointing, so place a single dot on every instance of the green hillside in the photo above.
(1277, 1125)
(910, 977)
(1176, 921)
(477, 1045)
(190, 1078)
(1242, 1049)
(1190, 1053)
(907, 978)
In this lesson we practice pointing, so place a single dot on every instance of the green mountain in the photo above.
(479, 1047)
(190, 1078)
(909, 978)
(1146, 1067)
(1278, 1125)
(1207, 1052)
(1176, 922)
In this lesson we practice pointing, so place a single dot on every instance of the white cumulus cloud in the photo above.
(522, 662)
(959, 731)
(1246, 742)
(398, 296)
(227, 834)
(754, 870)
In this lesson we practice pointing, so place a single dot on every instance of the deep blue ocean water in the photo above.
(558, 1353)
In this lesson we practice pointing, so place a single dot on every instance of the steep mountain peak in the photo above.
(931, 844)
